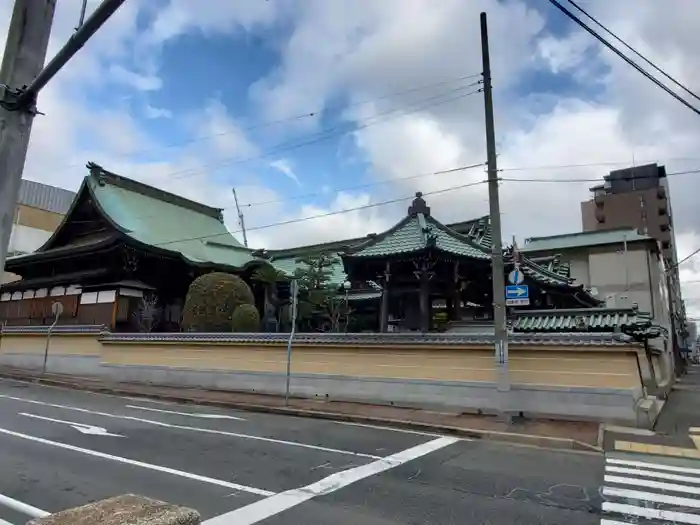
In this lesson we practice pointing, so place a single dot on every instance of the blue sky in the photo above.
(217, 73)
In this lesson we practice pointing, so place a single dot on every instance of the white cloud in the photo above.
(361, 50)
(285, 167)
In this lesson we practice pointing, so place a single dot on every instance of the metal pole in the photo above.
(82, 15)
(48, 337)
(241, 220)
(95, 21)
(25, 52)
(497, 268)
(294, 293)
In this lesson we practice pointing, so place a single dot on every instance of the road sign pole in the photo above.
(294, 289)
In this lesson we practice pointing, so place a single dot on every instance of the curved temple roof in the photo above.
(156, 219)
(419, 231)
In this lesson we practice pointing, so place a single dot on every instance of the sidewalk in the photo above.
(541, 432)
(681, 411)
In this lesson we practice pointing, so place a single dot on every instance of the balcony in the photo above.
(661, 192)
(600, 216)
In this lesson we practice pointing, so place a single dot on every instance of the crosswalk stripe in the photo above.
(613, 522)
(645, 512)
(651, 484)
(652, 474)
(655, 466)
(651, 496)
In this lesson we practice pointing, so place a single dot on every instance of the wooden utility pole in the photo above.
(498, 277)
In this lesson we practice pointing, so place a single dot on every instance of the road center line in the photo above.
(150, 466)
(194, 429)
(265, 508)
(21, 507)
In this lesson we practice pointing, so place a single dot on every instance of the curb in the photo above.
(471, 433)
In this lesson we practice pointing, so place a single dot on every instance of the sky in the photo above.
(311, 107)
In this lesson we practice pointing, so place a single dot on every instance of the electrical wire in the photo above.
(658, 69)
(624, 57)
(599, 179)
(363, 186)
(328, 134)
(292, 118)
(328, 214)
(683, 260)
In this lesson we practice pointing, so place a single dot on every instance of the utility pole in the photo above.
(497, 268)
(25, 52)
(241, 220)
(22, 77)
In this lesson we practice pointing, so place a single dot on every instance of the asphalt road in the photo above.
(63, 448)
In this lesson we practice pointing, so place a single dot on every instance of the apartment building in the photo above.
(639, 197)
(40, 209)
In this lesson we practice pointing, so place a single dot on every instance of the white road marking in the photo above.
(613, 522)
(21, 507)
(653, 466)
(194, 429)
(150, 466)
(265, 508)
(652, 474)
(651, 484)
(649, 513)
(190, 414)
(651, 496)
(3, 522)
(84, 429)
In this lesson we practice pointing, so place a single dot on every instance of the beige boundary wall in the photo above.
(599, 378)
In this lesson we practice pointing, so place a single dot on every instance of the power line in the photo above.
(328, 214)
(624, 57)
(329, 134)
(685, 259)
(363, 186)
(599, 179)
(658, 69)
(292, 118)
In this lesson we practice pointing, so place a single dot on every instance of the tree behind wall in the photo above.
(320, 306)
(147, 314)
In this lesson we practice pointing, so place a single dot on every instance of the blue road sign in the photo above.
(517, 291)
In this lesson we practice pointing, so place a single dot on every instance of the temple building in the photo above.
(122, 240)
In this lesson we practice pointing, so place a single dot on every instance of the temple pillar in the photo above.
(424, 274)
(384, 309)
(425, 306)
(456, 314)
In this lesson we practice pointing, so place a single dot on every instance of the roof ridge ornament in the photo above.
(419, 206)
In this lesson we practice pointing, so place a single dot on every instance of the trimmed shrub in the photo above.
(211, 301)
(246, 319)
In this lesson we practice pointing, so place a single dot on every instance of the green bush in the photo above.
(246, 319)
(211, 301)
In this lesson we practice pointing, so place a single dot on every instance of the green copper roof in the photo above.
(580, 320)
(167, 221)
(583, 239)
(419, 232)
